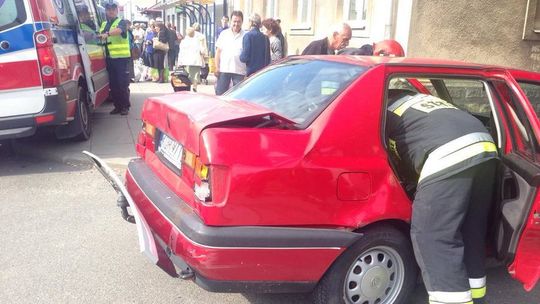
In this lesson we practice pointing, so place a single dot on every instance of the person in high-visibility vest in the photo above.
(115, 32)
(448, 155)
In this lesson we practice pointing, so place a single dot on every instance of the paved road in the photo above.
(63, 241)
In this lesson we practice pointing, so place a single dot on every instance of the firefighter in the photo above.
(115, 32)
(447, 154)
(389, 47)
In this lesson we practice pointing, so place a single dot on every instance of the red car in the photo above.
(284, 184)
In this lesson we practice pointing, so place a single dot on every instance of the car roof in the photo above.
(371, 61)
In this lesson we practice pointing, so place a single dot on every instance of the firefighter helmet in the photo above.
(389, 47)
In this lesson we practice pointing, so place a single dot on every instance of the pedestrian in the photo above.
(271, 29)
(160, 54)
(132, 49)
(281, 38)
(228, 48)
(172, 52)
(201, 37)
(388, 47)
(148, 52)
(447, 154)
(255, 47)
(177, 41)
(138, 36)
(364, 50)
(224, 25)
(114, 32)
(191, 57)
(338, 39)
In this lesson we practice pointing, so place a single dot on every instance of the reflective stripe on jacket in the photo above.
(117, 46)
(459, 152)
(432, 139)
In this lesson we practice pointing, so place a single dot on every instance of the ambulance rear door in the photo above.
(92, 51)
(21, 91)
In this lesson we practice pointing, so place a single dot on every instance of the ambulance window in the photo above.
(87, 16)
(12, 13)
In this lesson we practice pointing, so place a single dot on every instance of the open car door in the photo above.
(521, 107)
(496, 99)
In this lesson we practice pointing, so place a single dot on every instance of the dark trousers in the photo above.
(171, 54)
(448, 227)
(224, 81)
(118, 69)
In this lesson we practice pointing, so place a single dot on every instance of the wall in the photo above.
(483, 31)
(387, 19)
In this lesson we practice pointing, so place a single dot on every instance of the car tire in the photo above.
(378, 269)
(82, 116)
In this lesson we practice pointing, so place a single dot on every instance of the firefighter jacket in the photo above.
(431, 139)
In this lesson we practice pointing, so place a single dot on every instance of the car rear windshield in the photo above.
(12, 13)
(298, 89)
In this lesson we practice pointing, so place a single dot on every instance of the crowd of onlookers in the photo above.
(239, 52)
(158, 45)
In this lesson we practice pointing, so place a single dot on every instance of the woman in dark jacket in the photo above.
(159, 55)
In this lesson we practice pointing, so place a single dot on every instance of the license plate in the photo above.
(171, 150)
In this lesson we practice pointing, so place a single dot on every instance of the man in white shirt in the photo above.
(228, 49)
(138, 36)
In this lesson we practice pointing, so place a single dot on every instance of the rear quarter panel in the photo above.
(289, 178)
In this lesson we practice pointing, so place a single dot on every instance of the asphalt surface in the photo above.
(63, 240)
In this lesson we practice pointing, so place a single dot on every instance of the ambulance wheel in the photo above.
(82, 115)
(378, 269)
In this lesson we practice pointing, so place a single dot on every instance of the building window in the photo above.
(235, 6)
(531, 30)
(303, 12)
(248, 9)
(357, 15)
(271, 9)
(304, 18)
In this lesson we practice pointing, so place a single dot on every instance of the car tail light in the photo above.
(47, 58)
(146, 139)
(202, 187)
(201, 183)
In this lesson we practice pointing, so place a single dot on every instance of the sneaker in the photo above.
(115, 111)
(124, 112)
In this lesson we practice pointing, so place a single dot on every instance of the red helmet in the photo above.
(389, 47)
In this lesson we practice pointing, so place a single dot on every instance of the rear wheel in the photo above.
(82, 115)
(377, 269)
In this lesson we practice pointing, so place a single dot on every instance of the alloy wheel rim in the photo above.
(84, 113)
(375, 277)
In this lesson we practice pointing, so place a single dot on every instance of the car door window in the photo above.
(523, 139)
(532, 90)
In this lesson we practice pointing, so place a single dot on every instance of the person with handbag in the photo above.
(114, 32)
(161, 48)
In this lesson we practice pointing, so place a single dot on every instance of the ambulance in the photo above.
(52, 67)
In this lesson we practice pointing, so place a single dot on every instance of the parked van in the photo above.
(53, 70)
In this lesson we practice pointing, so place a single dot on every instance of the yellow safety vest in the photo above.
(117, 46)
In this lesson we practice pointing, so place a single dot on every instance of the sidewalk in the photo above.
(113, 136)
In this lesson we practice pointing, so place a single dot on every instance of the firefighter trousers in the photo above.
(448, 232)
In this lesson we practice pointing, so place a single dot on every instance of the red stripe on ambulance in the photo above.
(21, 75)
